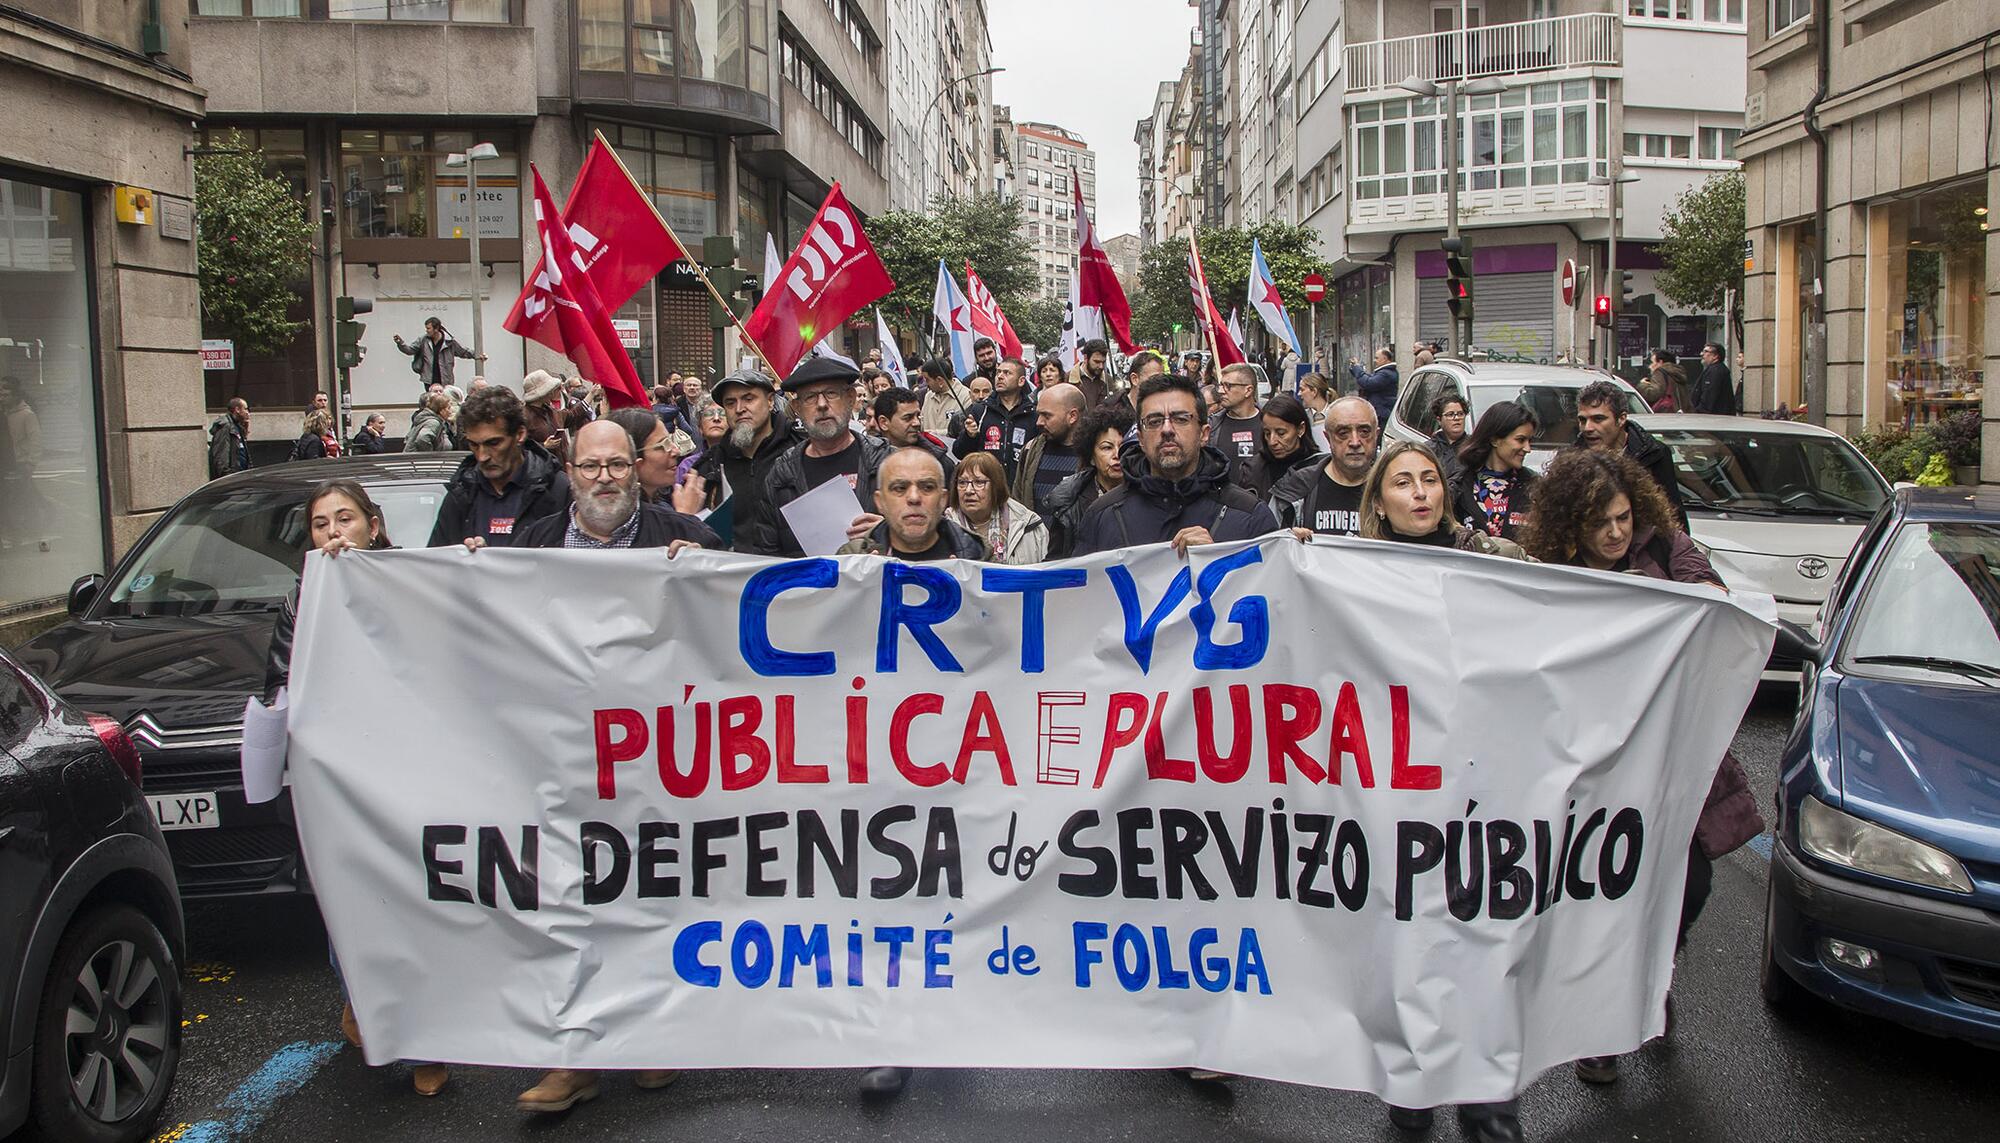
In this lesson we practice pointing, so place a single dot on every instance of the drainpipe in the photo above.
(1815, 374)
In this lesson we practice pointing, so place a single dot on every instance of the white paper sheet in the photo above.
(819, 519)
(264, 740)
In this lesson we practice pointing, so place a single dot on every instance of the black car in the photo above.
(173, 642)
(90, 925)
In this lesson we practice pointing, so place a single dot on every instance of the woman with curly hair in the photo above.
(1596, 509)
(1405, 500)
(1494, 485)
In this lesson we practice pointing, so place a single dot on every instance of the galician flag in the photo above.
(1265, 300)
(1235, 326)
(954, 315)
(892, 355)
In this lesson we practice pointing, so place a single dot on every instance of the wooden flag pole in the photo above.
(694, 262)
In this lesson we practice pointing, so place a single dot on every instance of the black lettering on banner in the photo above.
(1628, 826)
(653, 858)
(522, 879)
(1465, 865)
(1239, 862)
(941, 855)
(1103, 876)
(1509, 890)
(1313, 858)
(1350, 849)
(755, 884)
(704, 859)
(610, 884)
(436, 867)
(1419, 849)
(886, 888)
(842, 861)
(1182, 838)
(1134, 857)
(1573, 881)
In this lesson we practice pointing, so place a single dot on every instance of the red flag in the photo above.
(1097, 284)
(987, 320)
(1227, 352)
(620, 236)
(583, 324)
(828, 279)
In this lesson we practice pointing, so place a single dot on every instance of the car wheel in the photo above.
(1781, 993)
(108, 1038)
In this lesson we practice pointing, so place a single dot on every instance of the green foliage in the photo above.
(1702, 253)
(255, 248)
(1039, 322)
(1957, 436)
(1902, 455)
(1162, 296)
(1936, 473)
(984, 229)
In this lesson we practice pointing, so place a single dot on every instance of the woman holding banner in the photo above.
(340, 516)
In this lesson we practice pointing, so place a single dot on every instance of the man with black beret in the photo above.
(758, 438)
(822, 398)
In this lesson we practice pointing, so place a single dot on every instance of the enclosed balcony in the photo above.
(1558, 43)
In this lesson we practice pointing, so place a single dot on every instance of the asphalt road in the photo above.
(264, 1062)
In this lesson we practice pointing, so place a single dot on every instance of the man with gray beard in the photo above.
(822, 393)
(744, 459)
(607, 510)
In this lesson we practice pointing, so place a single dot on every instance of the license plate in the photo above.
(186, 811)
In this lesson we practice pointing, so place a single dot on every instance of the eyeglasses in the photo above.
(1234, 385)
(1454, 415)
(974, 485)
(663, 448)
(1351, 432)
(1154, 422)
(588, 469)
(926, 487)
(823, 396)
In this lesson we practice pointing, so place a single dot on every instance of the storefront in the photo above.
(1926, 304)
(1514, 318)
(1363, 314)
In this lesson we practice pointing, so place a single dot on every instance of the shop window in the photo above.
(51, 518)
(678, 171)
(1931, 317)
(394, 184)
(289, 374)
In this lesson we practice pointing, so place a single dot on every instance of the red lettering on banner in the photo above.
(1232, 766)
(1118, 735)
(631, 745)
(790, 772)
(935, 774)
(857, 736)
(1349, 736)
(983, 736)
(1290, 714)
(695, 780)
(1159, 767)
(1402, 775)
(736, 737)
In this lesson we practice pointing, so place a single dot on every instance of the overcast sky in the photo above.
(1091, 66)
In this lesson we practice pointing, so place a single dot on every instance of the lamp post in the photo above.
(470, 161)
(1614, 288)
(1449, 90)
(923, 150)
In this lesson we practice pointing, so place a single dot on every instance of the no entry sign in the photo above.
(1315, 287)
(1569, 281)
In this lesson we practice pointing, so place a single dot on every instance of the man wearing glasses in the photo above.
(1177, 486)
(822, 393)
(1327, 498)
(608, 510)
(1239, 427)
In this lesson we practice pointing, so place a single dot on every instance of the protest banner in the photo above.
(1382, 817)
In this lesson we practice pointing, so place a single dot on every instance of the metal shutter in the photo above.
(1513, 315)
(686, 343)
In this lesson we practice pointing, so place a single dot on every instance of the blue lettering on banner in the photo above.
(1251, 614)
(688, 944)
(1034, 584)
(1139, 631)
(753, 618)
(941, 602)
(1138, 965)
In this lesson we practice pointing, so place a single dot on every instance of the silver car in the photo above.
(1548, 391)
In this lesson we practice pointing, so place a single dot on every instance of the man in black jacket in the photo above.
(1601, 423)
(822, 393)
(745, 457)
(1714, 391)
(609, 510)
(1006, 422)
(506, 484)
(1176, 486)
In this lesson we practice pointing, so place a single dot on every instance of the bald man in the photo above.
(1327, 498)
(910, 496)
(1056, 454)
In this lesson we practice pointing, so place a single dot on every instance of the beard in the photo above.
(603, 515)
(743, 435)
(829, 429)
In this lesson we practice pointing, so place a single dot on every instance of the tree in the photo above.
(1039, 323)
(1702, 253)
(985, 229)
(1163, 296)
(255, 247)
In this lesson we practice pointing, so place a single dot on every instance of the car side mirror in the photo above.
(1795, 643)
(82, 592)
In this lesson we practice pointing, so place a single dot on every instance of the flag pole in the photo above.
(694, 262)
(1208, 326)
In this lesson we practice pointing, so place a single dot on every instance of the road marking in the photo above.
(245, 1109)
(1762, 844)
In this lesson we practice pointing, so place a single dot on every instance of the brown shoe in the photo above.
(559, 1090)
(654, 1079)
(349, 1027)
(429, 1079)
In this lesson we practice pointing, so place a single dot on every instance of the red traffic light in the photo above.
(1601, 305)
(1458, 288)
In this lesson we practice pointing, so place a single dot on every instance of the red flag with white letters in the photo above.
(1096, 282)
(578, 314)
(831, 276)
(987, 319)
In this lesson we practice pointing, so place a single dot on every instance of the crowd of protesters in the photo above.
(1019, 464)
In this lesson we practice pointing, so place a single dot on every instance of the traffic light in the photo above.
(1458, 278)
(1622, 285)
(347, 331)
(1600, 309)
(718, 255)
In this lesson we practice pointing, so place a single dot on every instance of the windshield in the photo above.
(1933, 607)
(1554, 408)
(243, 550)
(1786, 473)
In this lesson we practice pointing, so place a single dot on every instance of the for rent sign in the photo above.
(1350, 814)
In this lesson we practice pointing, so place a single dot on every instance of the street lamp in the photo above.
(924, 151)
(469, 160)
(1613, 288)
(1488, 85)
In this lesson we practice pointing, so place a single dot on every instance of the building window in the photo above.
(678, 171)
(1697, 11)
(394, 184)
(1928, 325)
(1655, 146)
(803, 72)
(1539, 135)
(719, 41)
(254, 9)
(1718, 144)
(50, 513)
(428, 11)
(1785, 13)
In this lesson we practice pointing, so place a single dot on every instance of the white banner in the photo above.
(1360, 815)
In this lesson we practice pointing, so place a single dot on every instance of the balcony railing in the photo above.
(1589, 39)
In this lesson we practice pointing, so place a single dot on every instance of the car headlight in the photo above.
(1844, 839)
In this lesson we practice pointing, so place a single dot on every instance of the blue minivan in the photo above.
(1885, 879)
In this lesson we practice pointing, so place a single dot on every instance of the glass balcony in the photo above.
(1590, 39)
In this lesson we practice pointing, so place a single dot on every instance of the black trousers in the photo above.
(1700, 880)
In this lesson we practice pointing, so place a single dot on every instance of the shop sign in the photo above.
(499, 200)
(217, 354)
(628, 332)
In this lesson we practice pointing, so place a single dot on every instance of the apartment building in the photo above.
(1172, 154)
(1045, 158)
(940, 101)
(1869, 165)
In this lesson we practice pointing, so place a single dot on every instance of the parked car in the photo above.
(173, 642)
(1885, 881)
(1777, 505)
(1548, 391)
(90, 925)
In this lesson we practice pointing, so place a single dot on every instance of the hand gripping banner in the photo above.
(1397, 819)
